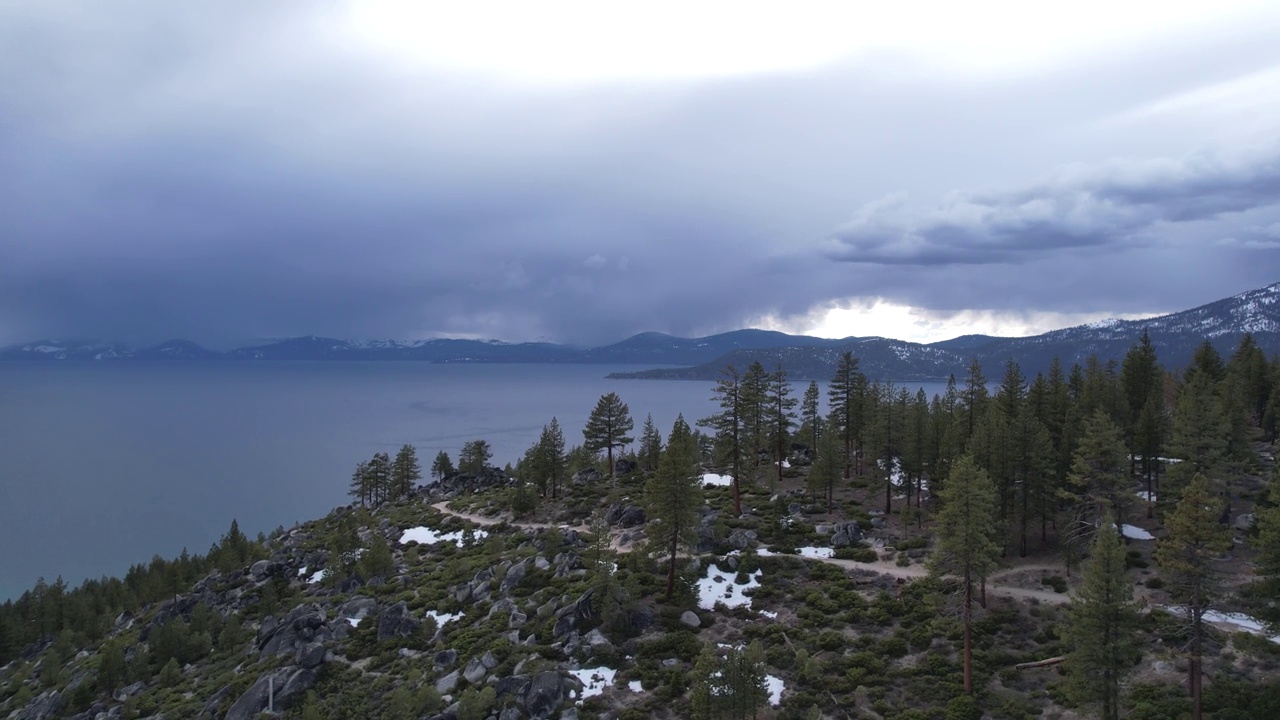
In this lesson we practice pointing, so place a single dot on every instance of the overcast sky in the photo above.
(223, 171)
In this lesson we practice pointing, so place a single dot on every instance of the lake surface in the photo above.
(104, 466)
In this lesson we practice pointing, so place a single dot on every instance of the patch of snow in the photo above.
(719, 587)
(816, 553)
(594, 680)
(775, 686)
(769, 614)
(45, 349)
(1134, 532)
(317, 576)
(442, 618)
(1146, 496)
(427, 536)
(635, 686)
(712, 479)
(1248, 623)
(303, 571)
(765, 552)
(786, 464)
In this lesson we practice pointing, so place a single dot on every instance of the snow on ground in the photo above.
(1146, 496)
(769, 614)
(635, 686)
(712, 479)
(775, 686)
(765, 552)
(317, 576)
(1248, 623)
(427, 536)
(442, 618)
(718, 587)
(816, 553)
(786, 464)
(594, 680)
(1134, 532)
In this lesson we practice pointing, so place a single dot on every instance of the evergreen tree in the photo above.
(731, 686)
(1199, 437)
(782, 414)
(828, 464)
(111, 666)
(730, 426)
(376, 560)
(549, 465)
(379, 471)
(844, 397)
(405, 472)
(1188, 560)
(360, 487)
(966, 547)
(1102, 622)
(810, 415)
(673, 496)
(650, 445)
(474, 457)
(1097, 485)
(755, 415)
(973, 399)
(607, 427)
(442, 466)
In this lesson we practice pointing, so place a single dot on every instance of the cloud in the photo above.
(1119, 203)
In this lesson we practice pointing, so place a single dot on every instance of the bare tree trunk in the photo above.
(968, 641)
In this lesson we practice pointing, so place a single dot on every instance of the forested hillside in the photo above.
(1096, 540)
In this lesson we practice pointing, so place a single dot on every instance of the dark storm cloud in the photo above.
(222, 172)
(1114, 205)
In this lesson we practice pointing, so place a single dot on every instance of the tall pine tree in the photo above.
(673, 497)
(607, 428)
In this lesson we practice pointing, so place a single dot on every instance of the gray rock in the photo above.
(517, 620)
(396, 622)
(514, 685)
(448, 683)
(502, 607)
(310, 656)
(358, 608)
(670, 662)
(544, 695)
(446, 658)
(475, 671)
(690, 619)
(260, 570)
(632, 516)
(480, 593)
(509, 713)
(742, 539)
(569, 714)
(587, 475)
(564, 625)
(1244, 522)
(289, 682)
(595, 638)
(513, 577)
(541, 563)
(46, 706)
(489, 660)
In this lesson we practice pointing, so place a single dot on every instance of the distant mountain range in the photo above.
(1175, 337)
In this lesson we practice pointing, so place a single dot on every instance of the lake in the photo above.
(106, 465)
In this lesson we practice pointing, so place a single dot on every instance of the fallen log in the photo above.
(1040, 663)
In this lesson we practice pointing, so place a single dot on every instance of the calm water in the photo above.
(102, 466)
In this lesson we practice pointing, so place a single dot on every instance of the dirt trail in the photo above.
(910, 572)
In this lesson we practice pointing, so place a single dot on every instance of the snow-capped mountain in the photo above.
(1175, 337)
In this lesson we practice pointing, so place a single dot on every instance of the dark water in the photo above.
(103, 466)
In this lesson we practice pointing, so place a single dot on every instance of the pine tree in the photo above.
(607, 427)
(548, 463)
(1199, 437)
(442, 466)
(966, 547)
(730, 426)
(810, 414)
(673, 496)
(782, 414)
(828, 464)
(650, 445)
(844, 397)
(1101, 626)
(755, 415)
(1098, 483)
(405, 472)
(973, 399)
(378, 470)
(360, 484)
(1188, 560)
(474, 457)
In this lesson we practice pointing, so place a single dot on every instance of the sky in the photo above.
(581, 171)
